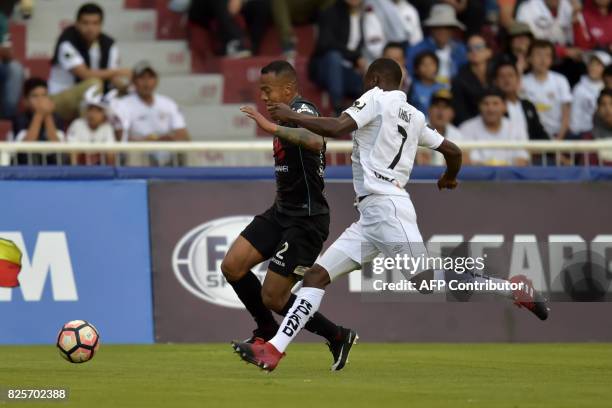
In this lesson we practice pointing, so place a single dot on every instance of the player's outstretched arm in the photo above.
(327, 127)
(298, 136)
(452, 155)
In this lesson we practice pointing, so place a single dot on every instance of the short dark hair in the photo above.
(280, 67)
(90, 8)
(491, 91)
(32, 83)
(421, 56)
(387, 69)
(539, 43)
(604, 92)
(505, 63)
(395, 44)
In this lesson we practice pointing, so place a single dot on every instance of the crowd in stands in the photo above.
(512, 70)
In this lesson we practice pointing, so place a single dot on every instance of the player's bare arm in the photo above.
(327, 127)
(298, 136)
(452, 154)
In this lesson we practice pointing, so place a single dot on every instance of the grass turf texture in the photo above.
(379, 375)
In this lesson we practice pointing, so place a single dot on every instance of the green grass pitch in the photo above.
(378, 376)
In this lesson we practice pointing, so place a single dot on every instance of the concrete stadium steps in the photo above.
(123, 25)
(189, 90)
(218, 122)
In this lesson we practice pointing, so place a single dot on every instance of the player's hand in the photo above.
(261, 121)
(280, 112)
(447, 182)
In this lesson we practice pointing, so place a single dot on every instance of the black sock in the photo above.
(248, 289)
(318, 324)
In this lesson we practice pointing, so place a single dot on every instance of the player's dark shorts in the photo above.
(288, 241)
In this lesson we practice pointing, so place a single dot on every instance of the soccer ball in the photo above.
(78, 341)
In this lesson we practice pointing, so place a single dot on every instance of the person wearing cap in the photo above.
(37, 123)
(492, 125)
(441, 115)
(10, 264)
(145, 115)
(585, 93)
(83, 57)
(92, 127)
(441, 25)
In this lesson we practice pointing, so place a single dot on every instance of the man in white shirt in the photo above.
(549, 91)
(548, 19)
(148, 116)
(492, 125)
(83, 57)
(387, 133)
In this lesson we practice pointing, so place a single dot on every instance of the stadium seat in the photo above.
(18, 38)
(220, 122)
(192, 89)
(38, 67)
(5, 128)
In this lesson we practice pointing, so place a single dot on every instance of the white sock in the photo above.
(305, 306)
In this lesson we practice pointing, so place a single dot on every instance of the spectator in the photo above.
(472, 79)
(390, 21)
(92, 127)
(548, 19)
(83, 57)
(602, 128)
(424, 84)
(492, 125)
(38, 123)
(288, 12)
(441, 115)
(223, 13)
(549, 91)
(337, 64)
(518, 42)
(148, 116)
(586, 92)
(593, 27)
(397, 52)
(607, 77)
(452, 54)
(11, 73)
(520, 111)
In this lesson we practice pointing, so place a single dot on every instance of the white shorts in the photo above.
(387, 224)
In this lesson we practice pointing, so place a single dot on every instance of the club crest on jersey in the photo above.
(305, 108)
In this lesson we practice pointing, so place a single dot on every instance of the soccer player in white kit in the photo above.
(388, 132)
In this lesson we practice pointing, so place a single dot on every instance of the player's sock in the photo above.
(305, 306)
(319, 324)
(248, 289)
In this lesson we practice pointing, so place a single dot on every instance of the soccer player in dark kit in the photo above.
(291, 233)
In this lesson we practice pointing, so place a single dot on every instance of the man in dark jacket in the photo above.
(520, 111)
(337, 64)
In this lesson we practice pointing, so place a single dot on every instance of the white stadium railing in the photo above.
(259, 152)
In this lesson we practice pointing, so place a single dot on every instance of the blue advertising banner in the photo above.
(85, 247)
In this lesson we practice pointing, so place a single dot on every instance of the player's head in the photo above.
(278, 82)
(89, 21)
(383, 73)
(492, 106)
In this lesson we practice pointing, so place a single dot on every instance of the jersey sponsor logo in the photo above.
(358, 105)
(405, 116)
(281, 169)
(196, 260)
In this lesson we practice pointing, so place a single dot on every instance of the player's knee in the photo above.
(231, 269)
(316, 277)
(272, 300)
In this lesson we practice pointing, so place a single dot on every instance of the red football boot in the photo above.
(529, 298)
(262, 354)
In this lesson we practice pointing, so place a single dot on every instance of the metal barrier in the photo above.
(259, 152)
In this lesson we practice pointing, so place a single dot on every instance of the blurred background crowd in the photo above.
(121, 71)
